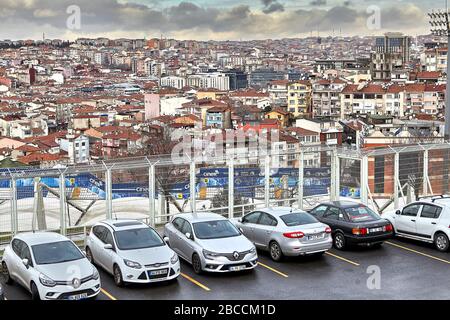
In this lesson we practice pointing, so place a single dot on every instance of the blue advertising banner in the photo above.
(246, 181)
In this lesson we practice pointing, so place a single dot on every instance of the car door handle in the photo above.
(268, 232)
(413, 220)
(433, 223)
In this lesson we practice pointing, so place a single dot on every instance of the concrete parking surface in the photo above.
(409, 270)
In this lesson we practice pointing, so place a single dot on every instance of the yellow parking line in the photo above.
(273, 270)
(418, 252)
(106, 293)
(195, 282)
(343, 259)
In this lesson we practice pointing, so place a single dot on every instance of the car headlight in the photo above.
(132, 264)
(174, 259)
(253, 250)
(46, 281)
(211, 255)
(95, 275)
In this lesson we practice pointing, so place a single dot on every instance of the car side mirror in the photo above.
(108, 247)
(398, 212)
(26, 263)
(341, 216)
(241, 220)
(189, 236)
(166, 240)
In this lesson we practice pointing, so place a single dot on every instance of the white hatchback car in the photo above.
(50, 266)
(426, 220)
(132, 252)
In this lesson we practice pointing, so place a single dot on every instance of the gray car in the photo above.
(210, 243)
(285, 232)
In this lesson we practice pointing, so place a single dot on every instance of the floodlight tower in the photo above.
(440, 26)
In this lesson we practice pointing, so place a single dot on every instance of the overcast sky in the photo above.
(212, 19)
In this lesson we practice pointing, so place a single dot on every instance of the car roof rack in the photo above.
(435, 197)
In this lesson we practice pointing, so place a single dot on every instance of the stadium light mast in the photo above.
(440, 26)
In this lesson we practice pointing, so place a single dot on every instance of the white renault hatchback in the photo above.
(132, 252)
(426, 220)
(50, 266)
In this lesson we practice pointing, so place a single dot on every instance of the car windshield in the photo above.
(138, 239)
(298, 219)
(361, 214)
(56, 252)
(215, 229)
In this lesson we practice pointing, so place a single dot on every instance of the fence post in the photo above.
(231, 188)
(108, 189)
(14, 215)
(335, 181)
(301, 173)
(267, 182)
(151, 194)
(62, 203)
(396, 178)
(425, 173)
(192, 184)
(364, 174)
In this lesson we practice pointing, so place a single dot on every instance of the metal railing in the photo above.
(154, 189)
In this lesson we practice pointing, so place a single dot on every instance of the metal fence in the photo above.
(153, 189)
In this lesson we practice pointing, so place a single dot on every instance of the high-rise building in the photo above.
(391, 52)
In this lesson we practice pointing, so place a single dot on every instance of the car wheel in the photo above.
(89, 255)
(197, 264)
(339, 241)
(35, 293)
(441, 242)
(118, 279)
(276, 254)
(6, 275)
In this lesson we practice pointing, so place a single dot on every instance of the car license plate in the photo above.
(376, 229)
(315, 237)
(158, 272)
(78, 296)
(237, 268)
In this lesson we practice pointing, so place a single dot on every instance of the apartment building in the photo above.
(365, 98)
(216, 80)
(299, 98)
(278, 92)
(173, 82)
(391, 52)
(326, 100)
(434, 59)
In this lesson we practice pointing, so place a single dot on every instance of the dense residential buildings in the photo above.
(94, 99)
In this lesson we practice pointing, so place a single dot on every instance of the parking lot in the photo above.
(408, 270)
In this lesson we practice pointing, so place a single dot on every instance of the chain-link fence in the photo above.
(154, 189)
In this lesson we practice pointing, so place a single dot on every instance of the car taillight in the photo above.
(359, 231)
(327, 230)
(388, 228)
(294, 235)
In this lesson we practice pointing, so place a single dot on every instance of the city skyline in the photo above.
(211, 20)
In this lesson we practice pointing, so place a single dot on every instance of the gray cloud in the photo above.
(318, 3)
(271, 6)
(187, 20)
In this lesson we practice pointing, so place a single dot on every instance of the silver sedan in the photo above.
(285, 232)
(210, 243)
